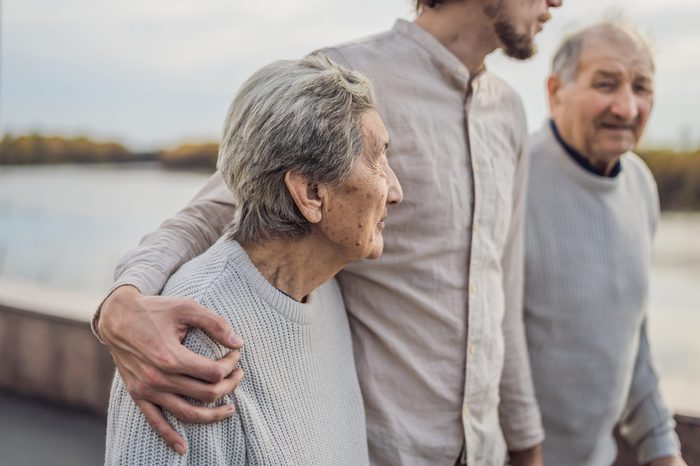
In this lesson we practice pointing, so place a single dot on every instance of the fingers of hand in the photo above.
(213, 324)
(201, 367)
(191, 414)
(203, 391)
(144, 381)
(155, 418)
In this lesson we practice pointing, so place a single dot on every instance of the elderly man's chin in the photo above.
(617, 142)
(614, 149)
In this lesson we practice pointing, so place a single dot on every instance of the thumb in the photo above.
(213, 324)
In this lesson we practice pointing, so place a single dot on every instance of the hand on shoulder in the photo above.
(144, 334)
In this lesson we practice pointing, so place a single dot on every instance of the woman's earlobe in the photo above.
(306, 194)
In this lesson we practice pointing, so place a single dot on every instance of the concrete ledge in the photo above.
(56, 358)
(53, 358)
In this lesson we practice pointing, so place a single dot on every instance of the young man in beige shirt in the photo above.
(437, 321)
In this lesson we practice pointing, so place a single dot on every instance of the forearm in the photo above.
(647, 425)
(519, 413)
(179, 239)
(520, 416)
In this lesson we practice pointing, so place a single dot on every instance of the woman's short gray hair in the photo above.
(302, 115)
(566, 58)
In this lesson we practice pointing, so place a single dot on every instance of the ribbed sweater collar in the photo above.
(579, 158)
(302, 313)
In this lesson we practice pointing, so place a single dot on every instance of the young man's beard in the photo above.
(515, 45)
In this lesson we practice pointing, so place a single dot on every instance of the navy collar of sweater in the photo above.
(578, 158)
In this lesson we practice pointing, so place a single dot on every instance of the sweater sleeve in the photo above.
(519, 413)
(130, 440)
(646, 423)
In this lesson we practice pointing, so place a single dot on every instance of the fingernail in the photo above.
(236, 340)
(180, 448)
(231, 409)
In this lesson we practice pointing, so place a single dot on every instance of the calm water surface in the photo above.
(66, 226)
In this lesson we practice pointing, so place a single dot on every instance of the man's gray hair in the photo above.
(566, 58)
(302, 115)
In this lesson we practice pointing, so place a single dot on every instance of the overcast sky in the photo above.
(155, 73)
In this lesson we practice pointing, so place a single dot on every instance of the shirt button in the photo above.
(472, 348)
(465, 410)
(472, 289)
(475, 166)
(475, 226)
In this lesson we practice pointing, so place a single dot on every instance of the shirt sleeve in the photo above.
(647, 425)
(519, 413)
(186, 235)
(130, 440)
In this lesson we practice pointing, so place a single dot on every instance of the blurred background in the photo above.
(110, 113)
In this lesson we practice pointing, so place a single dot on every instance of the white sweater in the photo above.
(299, 402)
(588, 250)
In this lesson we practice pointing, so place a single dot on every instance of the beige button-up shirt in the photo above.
(437, 320)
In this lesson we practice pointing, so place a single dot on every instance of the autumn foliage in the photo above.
(677, 173)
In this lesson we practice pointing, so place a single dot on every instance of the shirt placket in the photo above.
(474, 304)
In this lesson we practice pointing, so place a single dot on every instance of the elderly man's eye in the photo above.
(604, 85)
(641, 88)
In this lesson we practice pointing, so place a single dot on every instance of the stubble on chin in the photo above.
(514, 44)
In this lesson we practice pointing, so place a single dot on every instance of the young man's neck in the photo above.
(295, 267)
(464, 29)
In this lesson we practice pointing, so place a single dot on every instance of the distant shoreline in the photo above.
(677, 173)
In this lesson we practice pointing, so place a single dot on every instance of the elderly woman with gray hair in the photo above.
(304, 152)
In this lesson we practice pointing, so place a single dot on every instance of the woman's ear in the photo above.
(308, 196)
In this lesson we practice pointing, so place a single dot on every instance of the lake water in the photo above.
(63, 228)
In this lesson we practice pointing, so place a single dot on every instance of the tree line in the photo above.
(677, 173)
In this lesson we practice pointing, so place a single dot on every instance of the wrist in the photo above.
(530, 456)
(114, 298)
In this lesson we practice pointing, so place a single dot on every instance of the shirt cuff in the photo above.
(524, 430)
(652, 430)
(657, 446)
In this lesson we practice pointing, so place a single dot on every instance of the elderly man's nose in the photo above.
(625, 105)
(395, 195)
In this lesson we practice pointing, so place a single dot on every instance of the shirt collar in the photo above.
(579, 159)
(448, 63)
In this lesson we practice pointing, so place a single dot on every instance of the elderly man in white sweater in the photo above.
(592, 212)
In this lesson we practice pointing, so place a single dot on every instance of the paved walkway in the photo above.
(36, 433)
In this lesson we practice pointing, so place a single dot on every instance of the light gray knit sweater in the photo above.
(588, 248)
(299, 402)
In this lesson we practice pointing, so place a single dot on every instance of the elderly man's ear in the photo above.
(554, 84)
(308, 196)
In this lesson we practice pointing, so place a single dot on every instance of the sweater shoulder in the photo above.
(638, 168)
(645, 185)
(194, 278)
(541, 148)
(644, 180)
